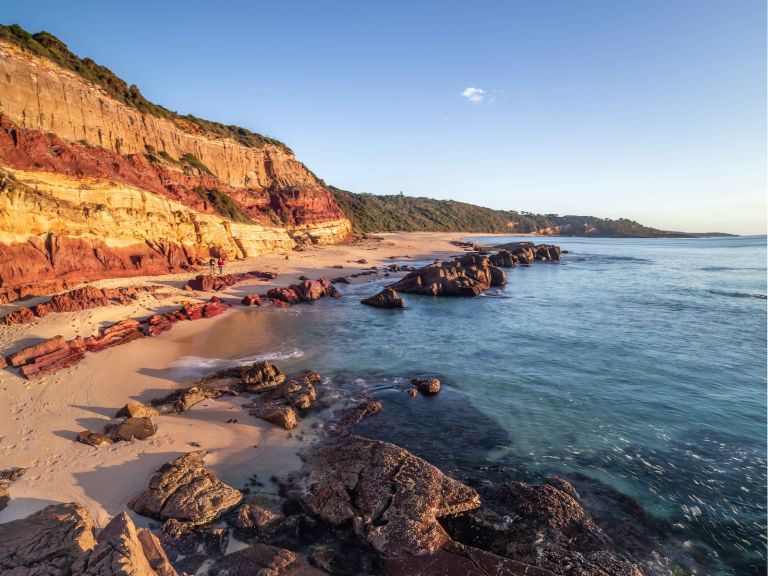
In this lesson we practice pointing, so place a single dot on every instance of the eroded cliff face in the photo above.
(91, 188)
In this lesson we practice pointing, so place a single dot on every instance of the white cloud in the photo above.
(474, 95)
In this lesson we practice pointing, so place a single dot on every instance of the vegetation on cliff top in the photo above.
(390, 213)
(48, 46)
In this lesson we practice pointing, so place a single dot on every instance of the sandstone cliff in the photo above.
(91, 187)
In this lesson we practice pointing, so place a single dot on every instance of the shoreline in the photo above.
(39, 419)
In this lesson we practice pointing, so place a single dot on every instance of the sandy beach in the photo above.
(40, 419)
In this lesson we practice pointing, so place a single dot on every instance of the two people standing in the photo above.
(213, 262)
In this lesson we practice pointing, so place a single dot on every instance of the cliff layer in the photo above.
(92, 187)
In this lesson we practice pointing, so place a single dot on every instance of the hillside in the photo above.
(389, 213)
(97, 182)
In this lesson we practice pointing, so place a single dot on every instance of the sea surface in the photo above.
(636, 363)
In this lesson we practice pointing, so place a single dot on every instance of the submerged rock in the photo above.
(542, 525)
(458, 560)
(124, 551)
(46, 543)
(427, 386)
(184, 490)
(391, 497)
(387, 298)
(263, 560)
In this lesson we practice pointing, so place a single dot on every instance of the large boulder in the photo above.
(46, 543)
(184, 490)
(124, 551)
(263, 560)
(390, 497)
(468, 275)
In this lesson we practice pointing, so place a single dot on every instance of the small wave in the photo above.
(199, 363)
(738, 294)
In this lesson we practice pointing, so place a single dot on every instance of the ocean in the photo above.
(636, 367)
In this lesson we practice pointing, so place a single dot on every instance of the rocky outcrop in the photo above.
(305, 291)
(524, 253)
(49, 356)
(185, 490)
(55, 353)
(251, 300)
(283, 404)
(543, 525)
(95, 188)
(390, 497)
(210, 283)
(387, 298)
(468, 275)
(122, 550)
(74, 300)
(46, 543)
(130, 429)
(263, 560)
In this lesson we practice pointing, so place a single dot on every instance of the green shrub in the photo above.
(223, 205)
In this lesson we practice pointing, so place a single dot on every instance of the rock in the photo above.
(184, 490)
(458, 560)
(183, 539)
(93, 438)
(251, 300)
(391, 497)
(468, 275)
(136, 410)
(209, 283)
(12, 474)
(4, 497)
(275, 413)
(286, 295)
(46, 543)
(356, 414)
(119, 333)
(121, 552)
(131, 429)
(300, 394)
(259, 520)
(543, 525)
(263, 560)
(362, 261)
(340, 280)
(261, 376)
(185, 398)
(333, 292)
(31, 352)
(387, 298)
(60, 355)
(22, 315)
(280, 303)
(427, 386)
(80, 299)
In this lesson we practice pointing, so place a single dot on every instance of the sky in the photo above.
(652, 110)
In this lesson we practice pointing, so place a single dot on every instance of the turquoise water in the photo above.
(640, 363)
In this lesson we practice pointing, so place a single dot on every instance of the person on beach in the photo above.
(221, 265)
(212, 264)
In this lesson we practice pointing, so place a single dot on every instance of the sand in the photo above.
(40, 419)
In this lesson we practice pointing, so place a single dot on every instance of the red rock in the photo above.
(30, 352)
(210, 283)
(120, 333)
(68, 355)
(251, 300)
(213, 309)
(22, 315)
(284, 294)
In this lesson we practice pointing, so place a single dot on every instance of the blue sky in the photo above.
(648, 110)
